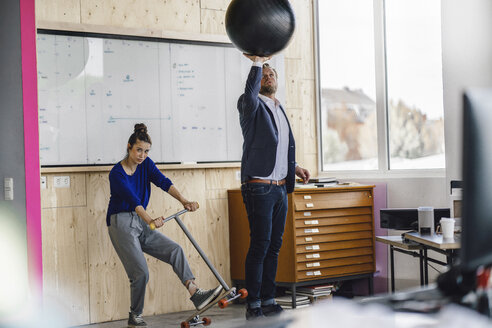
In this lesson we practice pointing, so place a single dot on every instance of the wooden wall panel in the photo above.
(296, 124)
(215, 4)
(222, 179)
(309, 129)
(175, 15)
(302, 44)
(212, 21)
(52, 197)
(109, 288)
(293, 72)
(106, 284)
(310, 161)
(294, 49)
(65, 278)
(218, 237)
(67, 11)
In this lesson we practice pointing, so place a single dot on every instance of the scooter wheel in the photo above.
(223, 303)
(243, 292)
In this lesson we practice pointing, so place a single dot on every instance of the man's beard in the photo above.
(268, 89)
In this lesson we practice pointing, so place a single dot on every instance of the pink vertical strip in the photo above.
(31, 143)
(381, 277)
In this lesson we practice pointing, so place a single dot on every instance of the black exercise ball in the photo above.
(260, 27)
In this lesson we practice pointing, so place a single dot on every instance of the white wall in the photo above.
(467, 62)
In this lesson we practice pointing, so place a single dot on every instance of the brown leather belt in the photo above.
(274, 182)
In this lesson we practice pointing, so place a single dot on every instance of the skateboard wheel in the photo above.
(243, 292)
(206, 321)
(223, 303)
(185, 324)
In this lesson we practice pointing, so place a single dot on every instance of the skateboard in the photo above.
(224, 299)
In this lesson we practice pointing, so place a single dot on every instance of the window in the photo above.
(408, 70)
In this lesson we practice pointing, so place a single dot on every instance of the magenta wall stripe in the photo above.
(31, 143)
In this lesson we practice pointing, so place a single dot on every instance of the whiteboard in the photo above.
(93, 89)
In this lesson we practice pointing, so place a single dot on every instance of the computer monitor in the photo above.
(476, 239)
(408, 218)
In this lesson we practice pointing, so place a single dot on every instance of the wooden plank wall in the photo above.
(81, 269)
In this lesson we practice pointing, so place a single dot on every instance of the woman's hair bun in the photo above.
(140, 127)
(139, 133)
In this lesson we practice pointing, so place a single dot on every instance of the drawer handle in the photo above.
(313, 273)
(309, 205)
(315, 230)
(307, 222)
(307, 213)
(312, 247)
(309, 238)
(312, 256)
(307, 196)
(314, 264)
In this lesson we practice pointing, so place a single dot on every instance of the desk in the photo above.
(413, 242)
(435, 241)
(437, 244)
(399, 244)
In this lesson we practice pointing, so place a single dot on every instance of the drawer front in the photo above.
(333, 212)
(311, 231)
(335, 272)
(316, 248)
(333, 200)
(312, 239)
(316, 222)
(311, 265)
(320, 256)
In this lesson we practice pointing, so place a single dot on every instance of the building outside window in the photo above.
(403, 59)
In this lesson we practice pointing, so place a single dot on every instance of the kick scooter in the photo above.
(228, 294)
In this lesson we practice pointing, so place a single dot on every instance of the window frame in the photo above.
(383, 170)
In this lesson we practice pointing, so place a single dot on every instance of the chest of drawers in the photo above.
(329, 233)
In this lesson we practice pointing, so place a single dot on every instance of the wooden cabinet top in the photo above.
(336, 188)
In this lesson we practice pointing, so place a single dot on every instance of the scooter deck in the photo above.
(209, 305)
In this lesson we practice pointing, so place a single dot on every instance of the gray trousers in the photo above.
(131, 237)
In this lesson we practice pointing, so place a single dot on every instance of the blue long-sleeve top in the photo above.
(130, 191)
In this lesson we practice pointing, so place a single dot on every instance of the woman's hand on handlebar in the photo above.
(158, 222)
(191, 206)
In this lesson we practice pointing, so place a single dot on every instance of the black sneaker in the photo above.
(254, 313)
(203, 297)
(136, 321)
(271, 310)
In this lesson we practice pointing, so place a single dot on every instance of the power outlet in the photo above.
(43, 182)
(61, 181)
(8, 188)
(238, 175)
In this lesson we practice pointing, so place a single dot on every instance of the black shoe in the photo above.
(202, 298)
(136, 321)
(271, 310)
(254, 313)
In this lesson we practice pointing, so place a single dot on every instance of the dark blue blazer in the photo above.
(260, 134)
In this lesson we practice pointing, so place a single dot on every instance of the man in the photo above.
(268, 170)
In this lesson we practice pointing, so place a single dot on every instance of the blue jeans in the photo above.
(266, 206)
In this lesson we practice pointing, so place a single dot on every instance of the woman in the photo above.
(128, 225)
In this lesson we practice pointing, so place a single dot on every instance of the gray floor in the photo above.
(232, 316)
